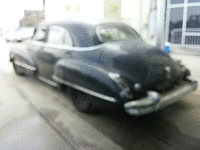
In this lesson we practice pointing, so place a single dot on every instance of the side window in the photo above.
(39, 35)
(55, 36)
(58, 35)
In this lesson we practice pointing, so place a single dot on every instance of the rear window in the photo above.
(114, 32)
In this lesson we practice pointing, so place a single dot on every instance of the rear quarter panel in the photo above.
(86, 75)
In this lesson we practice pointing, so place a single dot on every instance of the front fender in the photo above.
(19, 52)
(20, 56)
(81, 75)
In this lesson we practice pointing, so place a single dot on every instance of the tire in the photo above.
(63, 87)
(82, 101)
(17, 70)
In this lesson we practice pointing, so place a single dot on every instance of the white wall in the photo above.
(133, 12)
(130, 13)
(136, 13)
(112, 9)
(62, 9)
(145, 30)
(92, 9)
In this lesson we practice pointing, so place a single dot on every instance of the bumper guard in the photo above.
(155, 101)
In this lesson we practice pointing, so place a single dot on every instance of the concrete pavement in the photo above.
(31, 110)
(32, 132)
(22, 127)
(32, 116)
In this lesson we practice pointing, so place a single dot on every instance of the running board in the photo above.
(48, 81)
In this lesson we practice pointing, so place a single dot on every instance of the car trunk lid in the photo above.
(143, 63)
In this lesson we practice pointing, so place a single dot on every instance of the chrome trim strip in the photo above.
(25, 65)
(136, 108)
(57, 46)
(48, 81)
(85, 90)
(71, 48)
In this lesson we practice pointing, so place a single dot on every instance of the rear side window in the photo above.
(115, 32)
(55, 36)
(59, 36)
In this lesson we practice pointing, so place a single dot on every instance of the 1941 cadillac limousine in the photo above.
(106, 64)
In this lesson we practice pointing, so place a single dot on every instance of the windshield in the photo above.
(115, 32)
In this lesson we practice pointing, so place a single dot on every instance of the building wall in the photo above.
(137, 13)
(134, 12)
(130, 13)
(112, 9)
(62, 9)
(32, 17)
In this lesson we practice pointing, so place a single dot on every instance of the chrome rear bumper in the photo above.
(155, 101)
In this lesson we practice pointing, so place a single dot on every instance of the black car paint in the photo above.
(89, 68)
(135, 61)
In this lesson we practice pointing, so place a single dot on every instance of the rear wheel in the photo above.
(18, 70)
(82, 101)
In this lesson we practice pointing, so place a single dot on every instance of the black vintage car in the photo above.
(106, 64)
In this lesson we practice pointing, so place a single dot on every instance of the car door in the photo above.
(37, 44)
(58, 44)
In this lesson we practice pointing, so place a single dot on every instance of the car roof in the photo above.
(82, 31)
(80, 21)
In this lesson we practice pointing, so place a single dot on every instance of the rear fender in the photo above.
(93, 80)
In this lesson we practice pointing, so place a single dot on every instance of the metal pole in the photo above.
(44, 8)
(184, 22)
(160, 33)
(141, 15)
